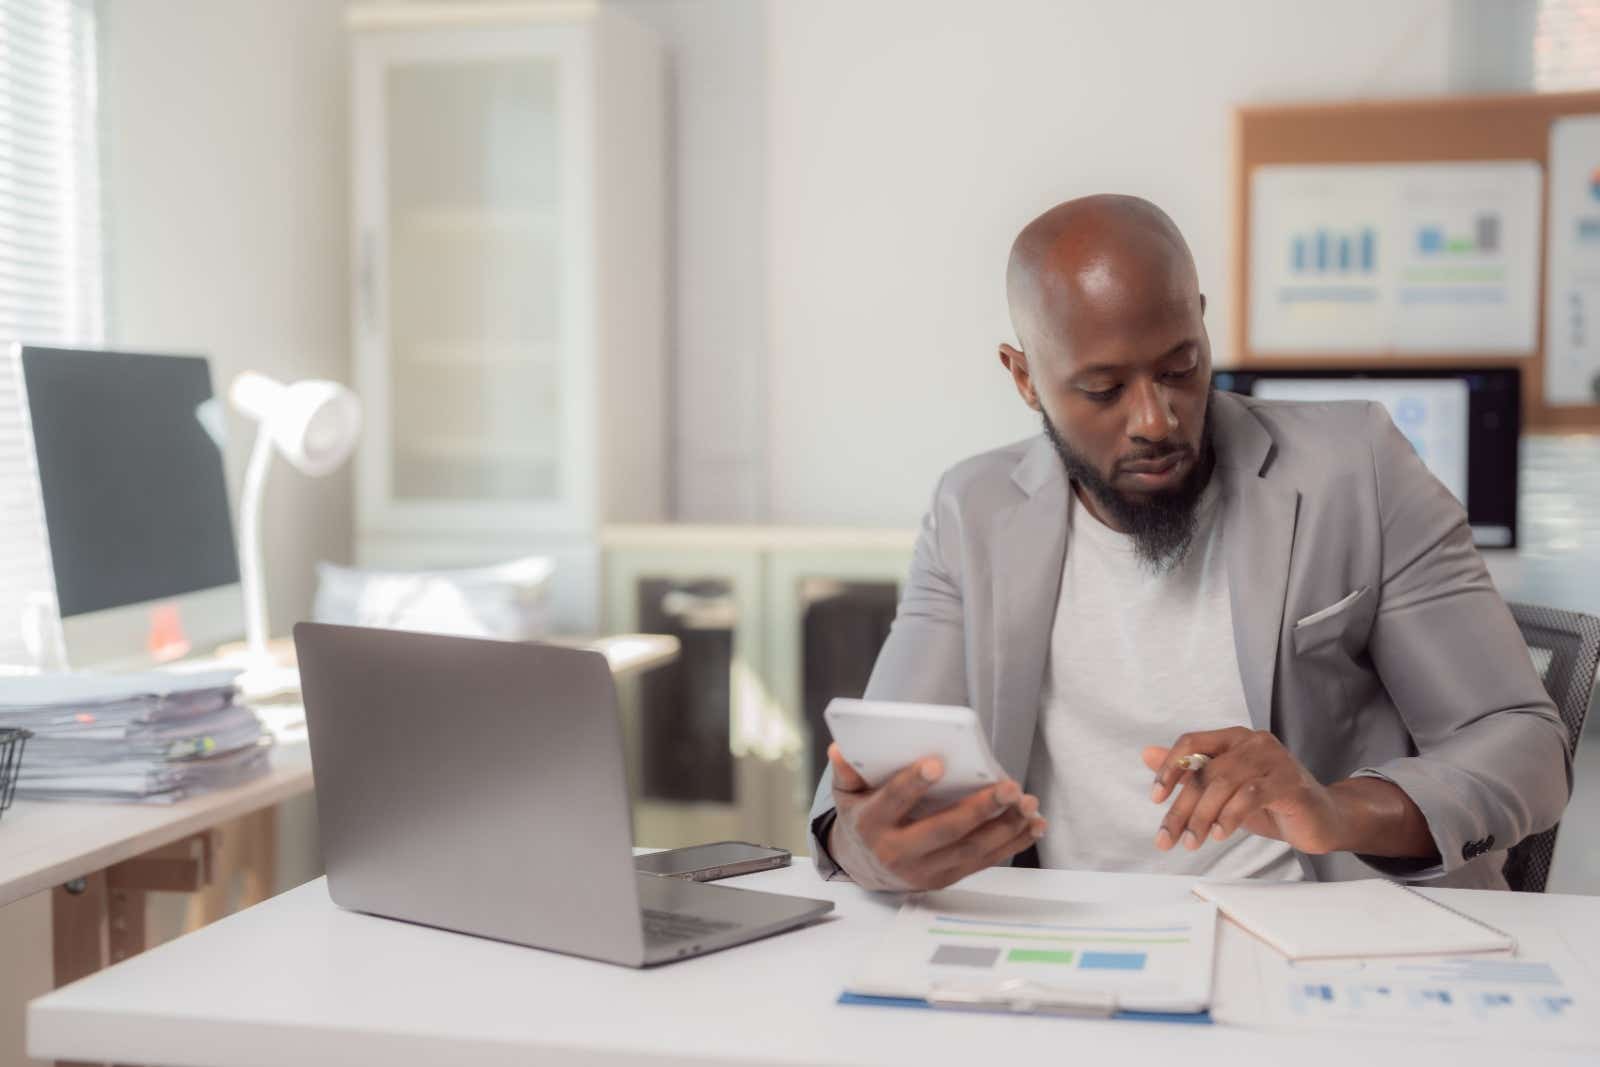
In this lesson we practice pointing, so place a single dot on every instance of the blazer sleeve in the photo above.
(924, 658)
(1492, 763)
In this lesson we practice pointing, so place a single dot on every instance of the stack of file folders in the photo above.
(152, 737)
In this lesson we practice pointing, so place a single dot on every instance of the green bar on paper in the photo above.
(1038, 955)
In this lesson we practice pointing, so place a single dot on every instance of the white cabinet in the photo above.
(728, 740)
(509, 324)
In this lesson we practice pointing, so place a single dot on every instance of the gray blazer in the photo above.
(1370, 638)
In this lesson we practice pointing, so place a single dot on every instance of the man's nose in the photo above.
(1152, 417)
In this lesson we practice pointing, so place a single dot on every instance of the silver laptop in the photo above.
(478, 786)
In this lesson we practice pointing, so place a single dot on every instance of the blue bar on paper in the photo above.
(1322, 249)
(1112, 961)
(1430, 239)
(1297, 254)
(1344, 253)
(1369, 241)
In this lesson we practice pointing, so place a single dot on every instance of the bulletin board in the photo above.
(1393, 149)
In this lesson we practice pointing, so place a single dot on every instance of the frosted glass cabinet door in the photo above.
(466, 252)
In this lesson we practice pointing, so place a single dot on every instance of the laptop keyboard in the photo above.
(666, 927)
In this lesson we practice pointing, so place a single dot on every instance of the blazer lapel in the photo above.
(1030, 541)
(1258, 530)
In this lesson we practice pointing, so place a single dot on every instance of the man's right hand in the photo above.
(880, 847)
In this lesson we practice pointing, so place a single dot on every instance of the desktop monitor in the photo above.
(129, 451)
(1464, 422)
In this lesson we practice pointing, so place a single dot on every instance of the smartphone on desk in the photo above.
(706, 863)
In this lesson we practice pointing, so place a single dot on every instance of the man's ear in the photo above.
(1014, 361)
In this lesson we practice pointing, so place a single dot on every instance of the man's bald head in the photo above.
(1107, 306)
(1092, 255)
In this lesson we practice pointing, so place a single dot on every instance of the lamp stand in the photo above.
(263, 676)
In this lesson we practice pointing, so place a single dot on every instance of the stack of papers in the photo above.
(1381, 957)
(153, 737)
(1524, 1001)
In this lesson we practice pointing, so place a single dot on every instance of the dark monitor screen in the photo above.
(130, 465)
(1464, 422)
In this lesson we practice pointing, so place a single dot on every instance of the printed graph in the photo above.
(1483, 239)
(1053, 945)
(1476, 991)
(1329, 251)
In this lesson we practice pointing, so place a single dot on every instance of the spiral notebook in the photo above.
(1334, 920)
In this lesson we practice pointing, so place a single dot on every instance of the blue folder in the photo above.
(1201, 1017)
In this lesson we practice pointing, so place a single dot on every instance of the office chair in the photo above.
(1566, 650)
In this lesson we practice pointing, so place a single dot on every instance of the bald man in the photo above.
(1168, 572)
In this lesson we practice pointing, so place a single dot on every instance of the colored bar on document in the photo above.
(1112, 961)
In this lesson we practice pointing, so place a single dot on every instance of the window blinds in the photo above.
(50, 262)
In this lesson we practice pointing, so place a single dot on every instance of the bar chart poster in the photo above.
(1394, 258)
(1572, 293)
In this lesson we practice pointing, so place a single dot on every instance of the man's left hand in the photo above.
(1250, 781)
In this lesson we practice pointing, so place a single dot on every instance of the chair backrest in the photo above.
(1566, 650)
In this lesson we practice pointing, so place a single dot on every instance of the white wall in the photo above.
(225, 164)
(909, 140)
(717, 227)
(1491, 45)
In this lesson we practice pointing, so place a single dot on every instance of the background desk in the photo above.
(47, 844)
(297, 980)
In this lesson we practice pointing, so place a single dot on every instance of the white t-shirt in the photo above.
(1137, 659)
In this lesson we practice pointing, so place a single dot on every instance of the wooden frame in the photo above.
(1444, 129)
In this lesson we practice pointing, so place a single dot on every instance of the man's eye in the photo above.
(1103, 396)
(1179, 375)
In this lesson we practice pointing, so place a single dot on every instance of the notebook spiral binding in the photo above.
(1457, 911)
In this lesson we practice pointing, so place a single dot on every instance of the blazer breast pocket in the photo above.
(1327, 625)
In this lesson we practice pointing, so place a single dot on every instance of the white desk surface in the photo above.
(298, 980)
(46, 843)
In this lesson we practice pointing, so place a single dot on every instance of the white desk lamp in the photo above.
(315, 425)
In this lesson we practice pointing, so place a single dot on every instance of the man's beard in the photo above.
(1162, 524)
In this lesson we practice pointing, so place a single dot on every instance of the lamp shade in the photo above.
(314, 423)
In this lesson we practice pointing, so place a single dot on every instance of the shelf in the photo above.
(476, 449)
(454, 356)
(469, 221)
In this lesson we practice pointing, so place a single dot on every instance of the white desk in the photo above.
(297, 980)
